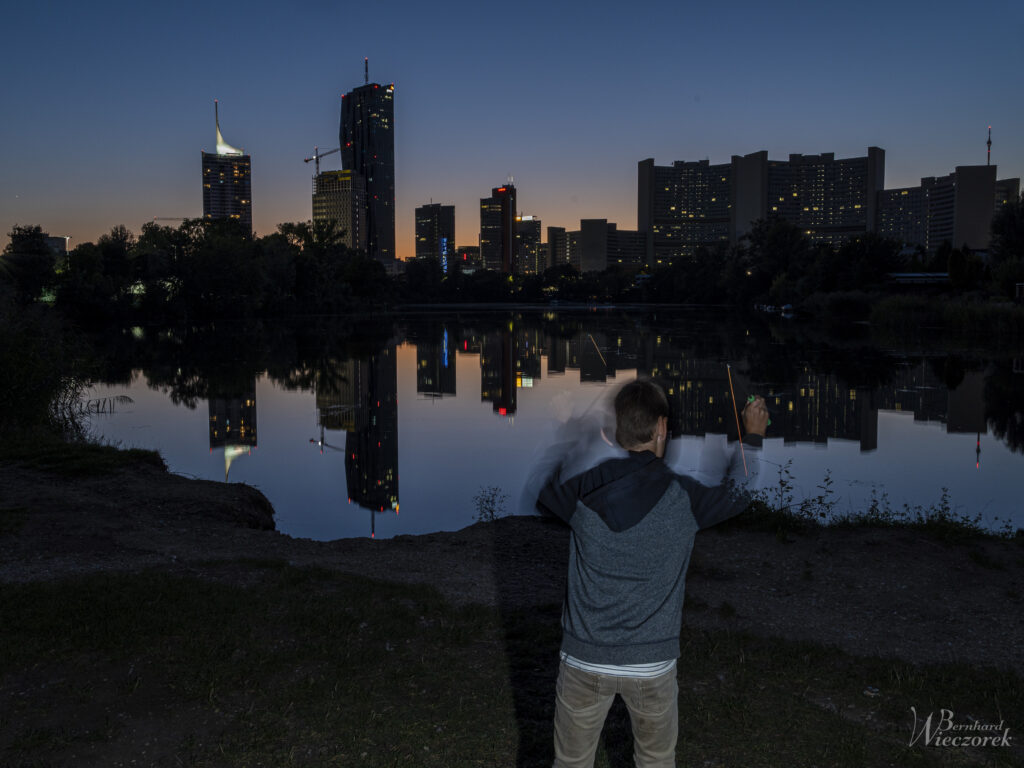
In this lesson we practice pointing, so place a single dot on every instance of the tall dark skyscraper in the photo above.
(498, 229)
(368, 149)
(227, 185)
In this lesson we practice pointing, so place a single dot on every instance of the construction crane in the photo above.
(317, 154)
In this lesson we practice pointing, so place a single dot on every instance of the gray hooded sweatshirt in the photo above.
(633, 522)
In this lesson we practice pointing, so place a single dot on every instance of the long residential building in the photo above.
(955, 209)
(689, 205)
(682, 207)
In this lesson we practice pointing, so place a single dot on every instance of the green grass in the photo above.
(312, 668)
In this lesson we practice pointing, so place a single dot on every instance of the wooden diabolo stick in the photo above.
(736, 413)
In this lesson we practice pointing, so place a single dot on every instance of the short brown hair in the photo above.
(638, 406)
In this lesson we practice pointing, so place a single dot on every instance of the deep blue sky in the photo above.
(107, 105)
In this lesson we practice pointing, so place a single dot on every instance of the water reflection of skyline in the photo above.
(360, 396)
(233, 422)
(810, 407)
(516, 368)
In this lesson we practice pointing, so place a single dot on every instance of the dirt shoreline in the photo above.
(894, 593)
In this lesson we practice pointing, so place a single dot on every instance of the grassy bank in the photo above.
(304, 667)
(47, 452)
(777, 508)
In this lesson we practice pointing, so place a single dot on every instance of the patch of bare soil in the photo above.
(890, 592)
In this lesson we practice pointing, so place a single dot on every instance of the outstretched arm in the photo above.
(558, 498)
(715, 504)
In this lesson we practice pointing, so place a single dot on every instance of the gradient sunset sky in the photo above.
(107, 105)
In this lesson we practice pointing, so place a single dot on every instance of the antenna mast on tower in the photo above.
(988, 160)
(366, 70)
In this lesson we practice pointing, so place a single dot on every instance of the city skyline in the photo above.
(109, 121)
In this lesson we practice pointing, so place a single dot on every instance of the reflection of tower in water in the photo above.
(361, 398)
(233, 422)
(498, 371)
(966, 410)
(435, 366)
(529, 348)
(371, 447)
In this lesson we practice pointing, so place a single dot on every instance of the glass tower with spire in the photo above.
(227, 186)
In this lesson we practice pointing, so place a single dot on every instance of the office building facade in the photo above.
(58, 244)
(830, 200)
(903, 215)
(682, 207)
(955, 209)
(529, 250)
(227, 182)
(367, 137)
(558, 247)
(435, 233)
(498, 229)
(468, 257)
(599, 244)
(339, 197)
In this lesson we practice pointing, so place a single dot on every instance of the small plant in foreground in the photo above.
(490, 503)
(821, 507)
(775, 508)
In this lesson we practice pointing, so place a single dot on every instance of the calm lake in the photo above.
(387, 426)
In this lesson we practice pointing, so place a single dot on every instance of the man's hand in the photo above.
(755, 417)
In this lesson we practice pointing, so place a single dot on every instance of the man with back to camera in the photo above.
(633, 522)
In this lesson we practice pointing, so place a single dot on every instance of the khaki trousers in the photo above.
(582, 701)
